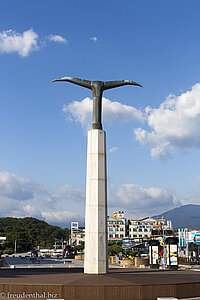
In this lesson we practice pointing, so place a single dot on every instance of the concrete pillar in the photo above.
(96, 257)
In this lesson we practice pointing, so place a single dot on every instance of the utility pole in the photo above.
(163, 229)
(187, 244)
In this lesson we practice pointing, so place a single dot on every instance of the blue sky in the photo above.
(153, 137)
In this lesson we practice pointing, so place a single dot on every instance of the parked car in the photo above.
(33, 253)
(70, 254)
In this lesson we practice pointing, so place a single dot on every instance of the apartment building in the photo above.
(143, 228)
(116, 226)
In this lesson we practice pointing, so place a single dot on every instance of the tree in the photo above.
(29, 234)
(114, 249)
(80, 247)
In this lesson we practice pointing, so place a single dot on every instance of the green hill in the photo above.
(29, 233)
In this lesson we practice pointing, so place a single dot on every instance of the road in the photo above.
(24, 261)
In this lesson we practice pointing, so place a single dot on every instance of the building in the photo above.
(146, 227)
(135, 229)
(116, 226)
(77, 234)
(189, 242)
(2, 239)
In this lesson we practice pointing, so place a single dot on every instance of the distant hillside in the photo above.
(29, 233)
(183, 216)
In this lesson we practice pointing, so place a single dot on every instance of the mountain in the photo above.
(186, 216)
(29, 233)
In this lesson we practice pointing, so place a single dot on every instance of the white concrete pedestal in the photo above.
(96, 258)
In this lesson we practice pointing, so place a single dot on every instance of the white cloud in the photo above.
(25, 42)
(112, 111)
(18, 188)
(113, 149)
(14, 191)
(68, 193)
(22, 43)
(57, 38)
(174, 125)
(62, 218)
(40, 201)
(31, 211)
(79, 112)
(67, 201)
(94, 39)
(8, 206)
(13, 208)
(139, 201)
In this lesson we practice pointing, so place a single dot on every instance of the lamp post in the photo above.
(164, 262)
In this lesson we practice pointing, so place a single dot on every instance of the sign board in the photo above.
(154, 255)
(167, 255)
(197, 238)
(173, 255)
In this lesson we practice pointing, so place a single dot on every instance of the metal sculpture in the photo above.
(97, 88)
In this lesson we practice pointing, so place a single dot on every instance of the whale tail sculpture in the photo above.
(96, 235)
(78, 81)
(97, 88)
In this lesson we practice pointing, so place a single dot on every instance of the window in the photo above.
(116, 235)
(110, 235)
(145, 229)
(121, 229)
(121, 235)
(134, 229)
(140, 230)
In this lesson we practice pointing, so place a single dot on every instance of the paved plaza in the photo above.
(121, 284)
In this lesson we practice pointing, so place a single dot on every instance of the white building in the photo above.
(142, 228)
(77, 234)
(118, 229)
(116, 226)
